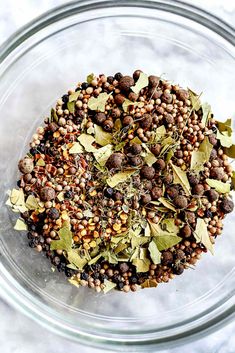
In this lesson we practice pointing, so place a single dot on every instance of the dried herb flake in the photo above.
(142, 82)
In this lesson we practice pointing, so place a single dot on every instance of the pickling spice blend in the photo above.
(127, 183)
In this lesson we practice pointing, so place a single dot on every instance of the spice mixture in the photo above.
(127, 183)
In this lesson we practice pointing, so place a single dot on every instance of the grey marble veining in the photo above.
(18, 333)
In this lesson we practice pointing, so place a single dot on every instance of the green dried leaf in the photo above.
(86, 141)
(200, 157)
(20, 225)
(41, 162)
(101, 137)
(169, 225)
(169, 155)
(160, 133)
(154, 252)
(225, 126)
(195, 100)
(136, 140)
(74, 96)
(76, 148)
(60, 196)
(219, 186)
(180, 177)
(206, 148)
(65, 242)
(117, 125)
(230, 151)
(127, 103)
(141, 265)
(202, 236)
(149, 158)
(142, 82)
(103, 154)
(120, 248)
(90, 130)
(166, 241)
(147, 231)
(75, 259)
(119, 146)
(167, 204)
(108, 286)
(225, 139)
(99, 102)
(71, 107)
(120, 177)
(90, 78)
(95, 259)
(31, 203)
(54, 116)
(206, 112)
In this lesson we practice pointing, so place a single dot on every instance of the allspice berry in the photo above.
(153, 81)
(127, 120)
(181, 201)
(217, 173)
(26, 165)
(160, 164)
(172, 191)
(147, 184)
(156, 149)
(193, 178)
(146, 121)
(167, 258)
(198, 189)
(212, 195)
(125, 83)
(213, 140)
(169, 119)
(146, 198)
(133, 96)
(190, 217)
(168, 179)
(119, 99)
(179, 254)
(115, 161)
(100, 118)
(178, 270)
(53, 127)
(136, 74)
(135, 160)
(226, 205)
(108, 125)
(135, 148)
(123, 267)
(47, 193)
(147, 172)
(53, 213)
(156, 192)
(186, 231)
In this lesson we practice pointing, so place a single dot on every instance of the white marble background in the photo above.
(18, 334)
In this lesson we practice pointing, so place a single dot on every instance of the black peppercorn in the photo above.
(53, 213)
(108, 192)
(118, 76)
(153, 81)
(68, 194)
(135, 160)
(136, 74)
(178, 270)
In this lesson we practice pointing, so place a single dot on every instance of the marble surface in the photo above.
(18, 334)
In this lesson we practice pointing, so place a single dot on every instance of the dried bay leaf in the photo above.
(169, 225)
(102, 154)
(117, 125)
(141, 265)
(75, 259)
(108, 286)
(60, 196)
(142, 82)
(155, 254)
(136, 140)
(127, 103)
(74, 96)
(167, 204)
(225, 126)
(180, 177)
(206, 112)
(76, 148)
(101, 137)
(160, 133)
(95, 259)
(149, 158)
(230, 151)
(233, 180)
(202, 236)
(86, 141)
(225, 139)
(31, 203)
(88, 213)
(219, 186)
(74, 282)
(120, 177)
(195, 100)
(206, 148)
(99, 102)
(71, 107)
(20, 225)
(164, 242)
(200, 157)
(54, 116)
(65, 242)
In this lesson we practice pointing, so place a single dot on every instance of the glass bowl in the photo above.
(37, 65)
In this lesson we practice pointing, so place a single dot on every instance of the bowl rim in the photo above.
(9, 289)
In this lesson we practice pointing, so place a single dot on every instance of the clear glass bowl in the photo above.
(37, 65)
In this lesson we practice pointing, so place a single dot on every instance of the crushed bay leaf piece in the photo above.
(200, 157)
(20, 225)
(230, 151)
(180, 177)
(88, 213)
(127, 103)
(142, 82)
(142, 265)
(86, 141)
(225, 126)
(75, 259)
(90, 78)
(160, 133)
(219, 186)
(99, 102)
(108, 286)
(206, 112)
(102, 154)
(225, 139)
(202, 236)
(41, 162)
(120, 177)
(149, 158)
(31, 203)
(60, 196)
(155, 254)
(136, 140)
(74, 282)
(117, 125)
(102, 137)
(164, 242)
(71, 107)
(195, 100)
(65, 242)
(74, 96)
(54, 116)
(149, 283)
(167, 204)
(76, 148)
